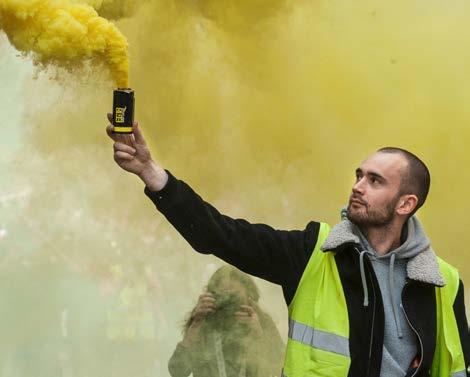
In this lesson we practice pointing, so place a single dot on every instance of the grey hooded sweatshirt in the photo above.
(400, 342)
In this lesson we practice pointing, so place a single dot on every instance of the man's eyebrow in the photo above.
(376, 175)
(371, 174)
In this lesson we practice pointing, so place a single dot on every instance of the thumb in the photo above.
(138, 135)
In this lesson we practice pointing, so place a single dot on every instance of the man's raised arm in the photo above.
(278, 256)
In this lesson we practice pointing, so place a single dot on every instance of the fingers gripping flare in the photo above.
(132, 154)
(138, 135)
(121, 147)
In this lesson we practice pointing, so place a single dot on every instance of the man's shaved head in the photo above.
(415, 179)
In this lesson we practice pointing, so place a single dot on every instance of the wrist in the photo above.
(154, 177)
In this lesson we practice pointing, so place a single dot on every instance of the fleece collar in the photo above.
(423, 267)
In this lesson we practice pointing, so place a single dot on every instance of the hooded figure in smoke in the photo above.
(227, 334)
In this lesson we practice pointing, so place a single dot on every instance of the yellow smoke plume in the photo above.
(113, 9)
(65, 33)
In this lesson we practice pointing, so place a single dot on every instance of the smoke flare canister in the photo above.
(123, 110)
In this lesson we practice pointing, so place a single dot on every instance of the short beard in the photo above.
(374, 218)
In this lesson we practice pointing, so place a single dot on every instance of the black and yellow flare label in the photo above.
(123, 110)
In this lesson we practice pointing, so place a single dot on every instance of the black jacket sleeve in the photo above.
(460, 315)
(279, 256)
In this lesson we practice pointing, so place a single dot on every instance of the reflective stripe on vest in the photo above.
(462, 373)
(318, 339)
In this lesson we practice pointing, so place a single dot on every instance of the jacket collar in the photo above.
(423, 267)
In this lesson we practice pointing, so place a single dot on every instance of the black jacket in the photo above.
(280, 256)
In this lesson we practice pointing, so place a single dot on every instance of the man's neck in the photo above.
(385, 238)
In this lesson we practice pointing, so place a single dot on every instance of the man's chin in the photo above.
(364, 220)
(354, 216)
(351, 213)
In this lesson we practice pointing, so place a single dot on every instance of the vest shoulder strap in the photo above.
(448, 356)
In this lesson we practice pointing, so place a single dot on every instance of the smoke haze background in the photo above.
(264, 107)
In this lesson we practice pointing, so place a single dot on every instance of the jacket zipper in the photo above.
(416, 332)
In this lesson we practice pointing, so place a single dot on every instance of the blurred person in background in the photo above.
(227, 334)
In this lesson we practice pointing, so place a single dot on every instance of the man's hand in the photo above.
(204, 307)
(132, 154)
(248, 316)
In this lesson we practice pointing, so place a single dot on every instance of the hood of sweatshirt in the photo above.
(420, 264)
(422, 261)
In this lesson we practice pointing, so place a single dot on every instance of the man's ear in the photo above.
(407, 204)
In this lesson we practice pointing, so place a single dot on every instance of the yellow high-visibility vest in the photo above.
(318, 339)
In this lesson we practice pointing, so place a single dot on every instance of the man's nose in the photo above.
(358, 187)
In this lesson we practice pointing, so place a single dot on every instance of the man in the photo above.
(366, 298)
(227, 333)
